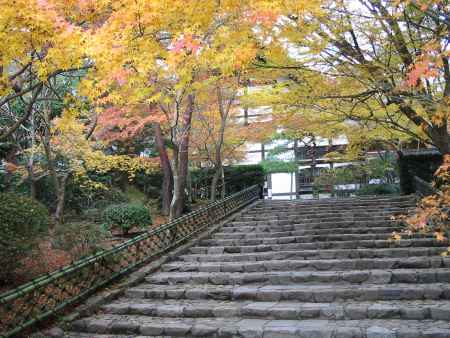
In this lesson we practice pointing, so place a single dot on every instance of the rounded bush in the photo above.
(23, 221)
(379, 189)
(126, 216)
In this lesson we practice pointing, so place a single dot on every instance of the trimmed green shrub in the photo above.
(379, 189)
(237, 177)
(23, 221)
(127, 216)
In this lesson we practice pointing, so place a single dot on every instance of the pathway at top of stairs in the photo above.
(285, 269)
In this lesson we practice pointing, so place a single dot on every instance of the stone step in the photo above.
(94, 335)
(364, 212)
(334, 201)
(299, 230)
(407, 276)
(285, 310)
(317, 223)
(347, 199)
(308, 212)
(304, 239)
(319, 232)
(286, 225)
(300, 220)
(262, 328)
(315, 293)
(315, 265)
(314, 254)
(299, 207)
(386, 243)
(311, 213)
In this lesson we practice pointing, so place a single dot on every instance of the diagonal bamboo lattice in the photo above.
(43, 297)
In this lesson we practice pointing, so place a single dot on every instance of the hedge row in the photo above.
(237, 177)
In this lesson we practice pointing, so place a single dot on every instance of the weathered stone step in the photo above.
(407, 276)
(381, 200)
(322, 214)
(408, 310)
(300, 220)
(314, 254)
(300, 207)
(313, 224)
(319, 232)
(264, 226)
(386, 243)
(333, 200)
(309, 212)
(315, 293)
(304, 239)
(94, 335)
(299, 230)
(365, 212)
(262, 328)
(318, 265)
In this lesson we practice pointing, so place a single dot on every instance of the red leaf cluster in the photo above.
(120, 124)
(186, 44)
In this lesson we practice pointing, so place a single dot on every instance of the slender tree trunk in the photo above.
(30, 166)
(181, 163)
(189, 187)
(167, 184)
(224, 110)
(222, 174)
(215, 181)
(32, 180)
(176, 191)
(61, 198)
(180, 187)
(59, 182)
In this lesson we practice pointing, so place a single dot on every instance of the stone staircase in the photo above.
(318, 269)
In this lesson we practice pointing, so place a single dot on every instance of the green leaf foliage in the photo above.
(126, 216)
(23, 222)
(379, 189)
(278, 166)
(237, 177)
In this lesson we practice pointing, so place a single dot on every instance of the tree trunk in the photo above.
(32, 180)
(189, 187)
(440, 138)
(176, 191)
(61, 199)
(215, 181)
(222, 174)
(181, 163)
(167, 184)
(60, 184)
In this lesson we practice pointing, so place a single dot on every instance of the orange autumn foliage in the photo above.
(432, 212)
